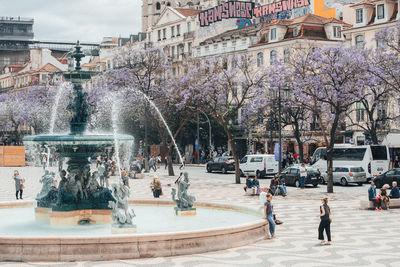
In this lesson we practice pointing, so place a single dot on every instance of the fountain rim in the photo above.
(157, 236)
(76, 138)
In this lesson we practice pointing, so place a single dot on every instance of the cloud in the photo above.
(86, 20)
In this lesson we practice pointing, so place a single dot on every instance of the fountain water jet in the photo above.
(55, 106)
(164, 122)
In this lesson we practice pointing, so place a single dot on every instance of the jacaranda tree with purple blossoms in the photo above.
(27, 108)
(328, 81)
(229, 85)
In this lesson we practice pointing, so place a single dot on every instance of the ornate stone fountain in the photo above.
(79, 198)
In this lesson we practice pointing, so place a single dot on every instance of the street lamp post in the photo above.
(280, 131)
(209, 132)
(198, 139)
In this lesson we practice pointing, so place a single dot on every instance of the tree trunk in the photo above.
(236, 159)
(297, 135)
(374, 136)
(329, 162)
(169, 161)
(329, 153)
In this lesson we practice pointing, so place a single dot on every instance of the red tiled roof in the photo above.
(188, 12)
(48, 68)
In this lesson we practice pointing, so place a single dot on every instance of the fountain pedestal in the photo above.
(78, 198)
(185, 212)
(123, 229)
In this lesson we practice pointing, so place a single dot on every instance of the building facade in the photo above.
(16, 34)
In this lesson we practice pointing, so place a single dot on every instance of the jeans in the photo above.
(282, 189)
(20, 193)
(302, 181)
(324, 224)
(273, 189)
(271, 222)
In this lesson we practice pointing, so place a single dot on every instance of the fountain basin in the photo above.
(165, 241)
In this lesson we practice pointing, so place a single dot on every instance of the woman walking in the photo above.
(325, 215)
(19, 184)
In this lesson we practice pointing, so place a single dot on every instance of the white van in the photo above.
(258, 165)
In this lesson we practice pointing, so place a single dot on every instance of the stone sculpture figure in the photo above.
(47, 181)
(184, 201)
(92, 186)
(121, 213)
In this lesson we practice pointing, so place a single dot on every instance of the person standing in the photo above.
(325, 224)
(268, 214)
(303, 175)
(101, 169)
(396, 162)
(19, 185)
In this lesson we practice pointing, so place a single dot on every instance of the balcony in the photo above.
(188, 35)
(16, 20)
(13, 47)
(16, 35)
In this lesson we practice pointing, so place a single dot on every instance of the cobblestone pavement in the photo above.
(360, 238)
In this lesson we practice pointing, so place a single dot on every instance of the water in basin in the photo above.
(149, 219)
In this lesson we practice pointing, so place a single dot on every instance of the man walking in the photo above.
(268, 210)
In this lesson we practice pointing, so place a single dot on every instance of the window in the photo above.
(189, 27)
(273, 34)
(244, 41)
(207, 48)
(360, 111)
(380, 44)
(173, 31)
(158, 6)
(215, 46)
(174, 71)
(359, 15)
(286, 55)
(190, 48)
(224, 45)
(159, 35)
(149, 36)
(337, 32)
(272, 57)
(260, 59)
(178, 30)
(168, 4)
(360, 41)
(382, 113)
(173, 52)
(164, 31)
(379, 152)
(233, 43)
(295, 31)
(381, 11)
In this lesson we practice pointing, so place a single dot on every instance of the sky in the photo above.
(71, 20)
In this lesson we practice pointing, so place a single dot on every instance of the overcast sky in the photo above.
(71, 20)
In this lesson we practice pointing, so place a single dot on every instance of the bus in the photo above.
(374, 159)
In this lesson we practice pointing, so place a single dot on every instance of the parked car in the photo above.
(387, 178)
(292, 176)
(346, 175)
(221, 164)
(258, 165)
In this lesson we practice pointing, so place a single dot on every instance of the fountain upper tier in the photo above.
(83, 145)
